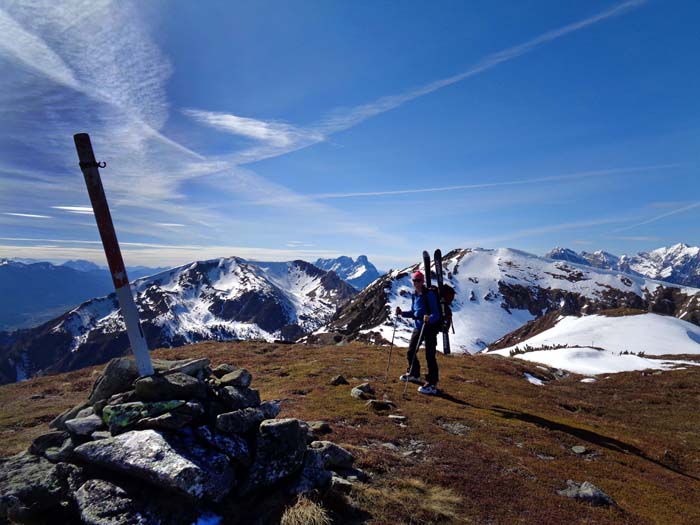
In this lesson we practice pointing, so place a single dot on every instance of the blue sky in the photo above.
(281, 130)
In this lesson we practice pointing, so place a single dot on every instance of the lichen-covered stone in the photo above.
(238, 377)
(171, 386)
(191, 368)
(121, 417)
(164, 461)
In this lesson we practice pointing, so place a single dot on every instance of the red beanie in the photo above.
(418, 276)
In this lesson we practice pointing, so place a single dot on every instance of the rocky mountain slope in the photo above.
(499, 291)
(35, 292)
(221, 299)
(679, 264)
(358, 273)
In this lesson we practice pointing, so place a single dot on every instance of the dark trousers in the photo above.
(430, 338)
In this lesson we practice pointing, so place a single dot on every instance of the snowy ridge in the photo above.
(190, 302)
(679, 264)
(598, 344)
(219, 299)
(498, 291)
(358, 273)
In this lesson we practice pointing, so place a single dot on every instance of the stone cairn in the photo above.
(187, 441)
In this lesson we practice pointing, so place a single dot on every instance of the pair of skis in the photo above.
(437, 257)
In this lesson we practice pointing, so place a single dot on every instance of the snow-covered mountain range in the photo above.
(500, 291)
(679, 264)
(358, 273)
(221, 299)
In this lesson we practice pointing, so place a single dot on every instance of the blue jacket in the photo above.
(417, 310)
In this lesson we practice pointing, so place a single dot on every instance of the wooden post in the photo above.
(89, 167)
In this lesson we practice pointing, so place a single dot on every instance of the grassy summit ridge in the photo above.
(493, 449)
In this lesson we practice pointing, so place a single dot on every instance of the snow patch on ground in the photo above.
(534, 380)
(598, 344)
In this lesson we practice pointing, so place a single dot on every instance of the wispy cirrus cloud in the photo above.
(341, 119)
(80, 210)
(276, 134)
(682, 209)
(27, 215)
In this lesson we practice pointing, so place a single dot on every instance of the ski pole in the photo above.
(413, 360)
(391, 348)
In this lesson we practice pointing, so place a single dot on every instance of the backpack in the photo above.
(448, 296)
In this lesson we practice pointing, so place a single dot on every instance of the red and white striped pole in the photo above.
(89, 167)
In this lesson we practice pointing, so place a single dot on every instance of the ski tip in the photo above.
(438, 254)
(425, 254)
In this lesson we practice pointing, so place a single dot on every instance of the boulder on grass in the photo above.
(334, 456)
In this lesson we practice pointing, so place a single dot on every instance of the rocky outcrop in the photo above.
(133, 455)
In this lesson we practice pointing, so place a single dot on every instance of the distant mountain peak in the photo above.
(678, 264)
(358, 273)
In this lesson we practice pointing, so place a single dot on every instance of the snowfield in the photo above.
(597, 344)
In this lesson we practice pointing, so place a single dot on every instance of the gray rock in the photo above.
(101, 434)
(235, 447)
(118, 376)
(588, 492)
(334, 456)
(84, 426)
(120, 373)
(280, 450)
(237, 398)
(168, 421)
(320, 428)
(171, 386)
(222, 370)
(380, 406)
(191, 368)
(163, 461)
(366, 388)
(46, 441)
(341, 485)
(239, 377)
(103, 503)
(31, 486)
(390, 446)
(244, 420)
(313, 475)
(85, 412)
(59, 422)
(339, 380)
(351, 474)
(360, 394)
(578, 449)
